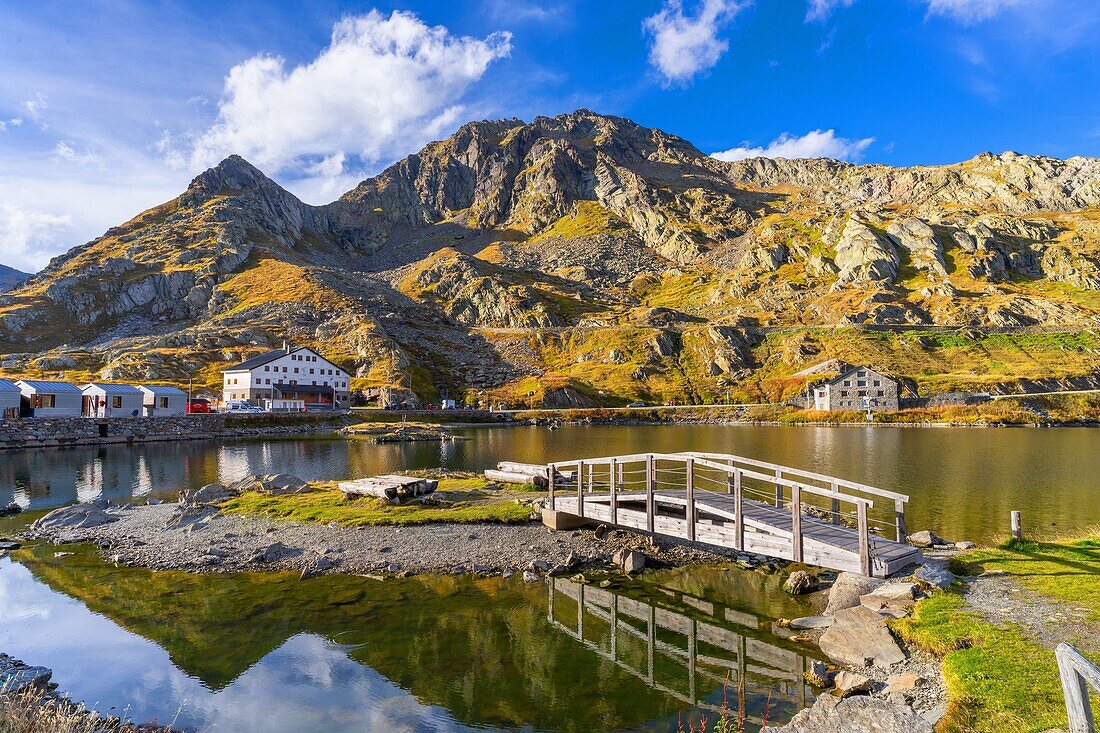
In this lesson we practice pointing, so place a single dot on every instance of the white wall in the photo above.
(282, 370)
(66, 404)
(9, 400)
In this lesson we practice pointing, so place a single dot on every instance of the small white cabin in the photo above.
(10, 397)
(48, 399)
(112, 400)
(160, 400)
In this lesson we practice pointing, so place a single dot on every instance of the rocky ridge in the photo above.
(568, 256)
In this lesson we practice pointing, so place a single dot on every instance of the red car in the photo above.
(199, 407)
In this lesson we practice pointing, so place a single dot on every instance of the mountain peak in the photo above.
(233, 174)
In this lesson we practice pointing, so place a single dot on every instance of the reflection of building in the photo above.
(687, 649)
(288, 374)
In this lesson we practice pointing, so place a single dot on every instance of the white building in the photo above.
(288, 374)
(111, 400)
(49, 399)
(10, 396)
(160, 400)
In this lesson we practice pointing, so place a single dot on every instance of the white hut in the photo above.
(161, 400)
(10, 396)
(112, 400)
(49, 399)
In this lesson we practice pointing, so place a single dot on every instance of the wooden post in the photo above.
(796, 523)
(729, 478)
(899, 519)
(738, 512)
(689, 479)
(650, 504)
(1077, 673)
(1017, 526)
(550, 471)
(778, 487)
(836, 502)
(580, 488)
(620, 476)
(864, 539)
(612, 478)
(591, 482)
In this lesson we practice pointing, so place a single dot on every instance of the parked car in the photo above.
(392, 406)
(239, 406)
(636, 404)
(199, 406)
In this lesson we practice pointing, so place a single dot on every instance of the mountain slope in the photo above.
(10, 277)
(580, 254)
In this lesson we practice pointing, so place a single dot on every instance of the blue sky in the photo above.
(108, 107)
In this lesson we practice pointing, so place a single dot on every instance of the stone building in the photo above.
(856, 388)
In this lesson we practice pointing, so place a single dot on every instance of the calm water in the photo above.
(250, 652)
(270, 653)
(963, 481)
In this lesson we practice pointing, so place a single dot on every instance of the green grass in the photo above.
(1067, 571)
(329, 505)
(998, 680)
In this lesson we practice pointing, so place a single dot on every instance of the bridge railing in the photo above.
(720, 473)
(1077, 674)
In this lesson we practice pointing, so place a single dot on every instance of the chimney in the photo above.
(286, 346)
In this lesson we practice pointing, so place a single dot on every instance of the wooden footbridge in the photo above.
(743, 504)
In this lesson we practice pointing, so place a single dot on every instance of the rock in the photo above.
(190, 518)
(905, 683)
(77, 516)
(863, 256)
(209, 494)
(847, 683)
(935, 715)
(601, 531)
(629, 561)
(10, 509)
(153, 502)
(800, 582)
(846, 590)
(325, 562)
(538, 566)
(279, 484)
(925, 538)
(857, 714)
(272, 553)
(530, 577)
(16, 678)
(921, 243)
(892, 599)
(965, 545)
(935, 574)
(69, 538)
(859, 637)
(508, 574)
(393, 567)
(558, 570)
(8, 545)
(811, 622)
(818, 674)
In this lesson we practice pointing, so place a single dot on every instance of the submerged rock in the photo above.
(859, 714)
(800, 582)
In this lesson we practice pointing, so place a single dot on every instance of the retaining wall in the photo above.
(40, 432)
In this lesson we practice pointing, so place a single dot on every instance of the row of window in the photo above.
(861, 393)
(862, 383)
(336, 384)
(330, 372)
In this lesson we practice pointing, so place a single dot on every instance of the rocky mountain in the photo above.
(10, 277)
(584, 258)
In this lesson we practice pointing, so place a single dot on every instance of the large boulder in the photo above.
(920, 242)
(209, 494)
(863, 256)
(281, 483)
(860, 637)
(846, 590)
(629, 561)
(859, 714)
(16, 677)
(77, 516)
(800, 582)
(935, 573)
(926, 538)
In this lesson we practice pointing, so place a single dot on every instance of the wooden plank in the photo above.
(864, 541)
(580, 488)
(650, 504)
(689, 480)
(796, 523)
(552, 474)
(738, 513)
(778, 487)
(612, 478)
(899, 519)
(1077, 674)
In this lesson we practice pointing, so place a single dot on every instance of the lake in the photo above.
(268, 652)
(963, 481)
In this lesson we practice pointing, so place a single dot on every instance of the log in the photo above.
(511, 477)
(389, 488)
(528, 469)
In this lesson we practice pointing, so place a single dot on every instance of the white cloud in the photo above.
(384, 85)
(969, 11)
(683, 46)
(821, 9)
(34, 107)
(64, 150)
(26, 233)
(814, 144)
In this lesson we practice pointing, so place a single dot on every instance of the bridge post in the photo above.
(550, 484)
(778, 487)
(729, 477)
(650, 504)
(689, 480)
(796, 523)
(864, 540)
(738, 512)
(612, 478)
(833, 487)
(580, 488)
(899, 519)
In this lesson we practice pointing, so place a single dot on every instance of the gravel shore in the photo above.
(233, 543)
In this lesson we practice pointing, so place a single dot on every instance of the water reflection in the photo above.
(963, 482)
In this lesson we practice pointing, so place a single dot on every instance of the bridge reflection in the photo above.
(685, 647)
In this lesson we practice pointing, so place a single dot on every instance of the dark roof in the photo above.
(8, 386)
(49, 387)
(303, 388)
(257, 360)
(847, 373)
(114, 389)
(162, 390)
